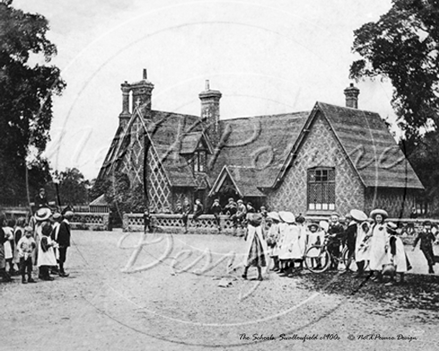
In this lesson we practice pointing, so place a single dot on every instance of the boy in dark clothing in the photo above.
(336, 233)
(216, 209)
(426, 239)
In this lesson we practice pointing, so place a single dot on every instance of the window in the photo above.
(321, 189)
(199, 161)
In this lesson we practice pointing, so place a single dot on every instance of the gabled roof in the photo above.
(166, 131)
(99, 201)
(242, 178)
(258, 146)
(368, 144)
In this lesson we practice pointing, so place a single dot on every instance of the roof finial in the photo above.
(145, 74)
(207, 84)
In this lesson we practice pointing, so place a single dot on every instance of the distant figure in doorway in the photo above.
(186, 210)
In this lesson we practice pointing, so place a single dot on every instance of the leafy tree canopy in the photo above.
(26, 92)
(403, 46)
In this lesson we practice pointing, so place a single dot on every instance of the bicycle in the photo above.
(318, 258)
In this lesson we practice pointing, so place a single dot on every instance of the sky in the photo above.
(266, 57)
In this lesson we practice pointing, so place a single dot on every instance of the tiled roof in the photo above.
(370, 147)
(258, 146)
(190, 142)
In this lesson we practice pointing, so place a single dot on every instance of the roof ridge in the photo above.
(275, 115)
(347, 108)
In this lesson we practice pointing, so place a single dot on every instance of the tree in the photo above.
(26, 92)
(403, 46)
(73, 187)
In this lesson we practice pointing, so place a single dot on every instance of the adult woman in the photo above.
(256, 249)
(378, 254)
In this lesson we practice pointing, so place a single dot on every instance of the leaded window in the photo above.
(321, 189)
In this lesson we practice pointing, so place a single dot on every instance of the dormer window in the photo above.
(199, 161)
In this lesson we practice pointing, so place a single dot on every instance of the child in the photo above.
(397, 254)
(273, 238)
(26, 246)
(18, 234)
(426, 239)
(9, 245)
(46, 255)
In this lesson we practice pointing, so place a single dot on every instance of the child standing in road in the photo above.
(26, 247)
(426, 238)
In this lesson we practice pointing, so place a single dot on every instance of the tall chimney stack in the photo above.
(142, 93)
(125, 115)
(210, 113)
(351, 96)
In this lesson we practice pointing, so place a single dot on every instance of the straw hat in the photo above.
(377, 211)
(287, 217)
(68, 214)
(43, 214)
(274, 215)
(56, 216)
(358, 215)
(324, 225)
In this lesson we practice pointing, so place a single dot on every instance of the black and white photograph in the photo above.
(219, 175)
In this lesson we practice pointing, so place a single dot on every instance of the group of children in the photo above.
(371, 242)
(42, 242)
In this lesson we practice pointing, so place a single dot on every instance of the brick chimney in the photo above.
(351, 96)
(142, 93)
(210, 113)
(125, 115)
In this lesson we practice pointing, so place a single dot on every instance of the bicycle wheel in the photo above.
(317, 259)
(345, 259)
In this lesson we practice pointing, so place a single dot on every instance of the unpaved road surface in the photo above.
(169, 298)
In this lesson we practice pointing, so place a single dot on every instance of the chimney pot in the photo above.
(144, 74)
(351, 96)
(207, 84)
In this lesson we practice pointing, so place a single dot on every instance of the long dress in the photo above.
(378, 255)
(302, 241)
(397, 253)
(9, 236)
(46, 255)
(273, 234)
(362, 250)
(290, 247)
(256, 247)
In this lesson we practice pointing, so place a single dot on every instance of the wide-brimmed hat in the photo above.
(358, 215)
(427, 223)
(324, 225)
(43, 214)
(68, 214)
(240, 201)
(274, 215)
(287, 216)
(379, 211)
(56, 216)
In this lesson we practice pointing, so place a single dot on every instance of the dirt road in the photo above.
(168, 298)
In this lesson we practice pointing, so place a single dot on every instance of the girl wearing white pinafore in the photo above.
(46, 255)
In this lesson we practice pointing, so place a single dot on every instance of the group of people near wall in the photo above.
(371, 242)
(43, 242)
(236, 211)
